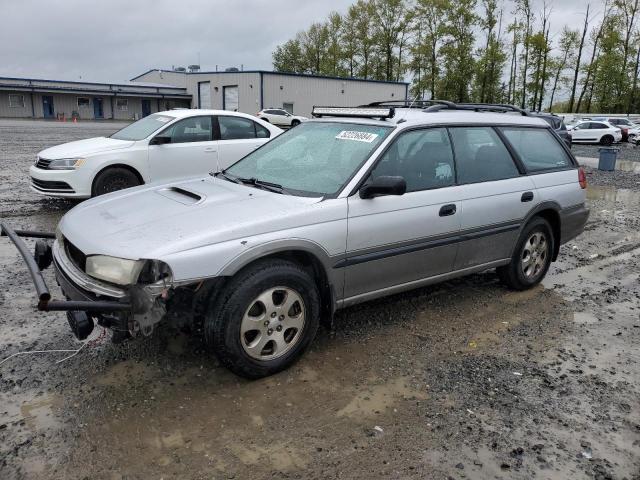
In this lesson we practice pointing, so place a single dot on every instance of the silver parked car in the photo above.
(353, 205)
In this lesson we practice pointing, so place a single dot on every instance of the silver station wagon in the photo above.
(353, 205)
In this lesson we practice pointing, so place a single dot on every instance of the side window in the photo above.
(423, 157)
(481, 156)
(538, 148)
(597, 126)
(262, 132)
(194, 129)
(236, 128)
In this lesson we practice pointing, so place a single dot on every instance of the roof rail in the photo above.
(478, 107)
(435, 105)
(421, 104)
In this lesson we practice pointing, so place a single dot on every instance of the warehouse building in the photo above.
(57, 99)
(157, 90)
(251, 91)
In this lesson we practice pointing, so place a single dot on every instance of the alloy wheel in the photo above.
(273, 323)
(535, 254)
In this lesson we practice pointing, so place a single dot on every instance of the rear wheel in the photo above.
(265, 318)
(114, 179)
(606, 140)
(532, 256)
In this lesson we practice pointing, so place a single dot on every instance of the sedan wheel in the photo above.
(273, 323)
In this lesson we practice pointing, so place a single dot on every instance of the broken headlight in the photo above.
(120, 271)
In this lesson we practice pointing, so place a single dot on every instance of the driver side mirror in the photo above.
(160, 140)
(384, 185)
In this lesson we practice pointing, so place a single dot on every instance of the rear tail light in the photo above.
(582, 178)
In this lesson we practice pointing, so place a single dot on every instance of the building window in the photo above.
(16, 101)
(122, 104)
(83, 102)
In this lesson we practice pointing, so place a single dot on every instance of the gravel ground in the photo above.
(465, 379)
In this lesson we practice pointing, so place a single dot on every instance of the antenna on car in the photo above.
(403, 119)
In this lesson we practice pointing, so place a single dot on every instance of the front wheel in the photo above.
(114, 179)
(532, 256)
(265, 318)
(295, 123)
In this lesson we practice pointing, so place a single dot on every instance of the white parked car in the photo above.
(594, 131)
(165, 146)
(281, 117)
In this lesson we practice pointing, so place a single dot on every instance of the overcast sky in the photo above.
(116, 40)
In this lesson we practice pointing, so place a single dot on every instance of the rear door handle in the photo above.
(447, 210)
(526, 197)
(210, 149)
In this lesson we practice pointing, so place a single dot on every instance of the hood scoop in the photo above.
(186, 197)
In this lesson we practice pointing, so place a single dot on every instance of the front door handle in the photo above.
(210, 149)
(526, 197)
(447, 210)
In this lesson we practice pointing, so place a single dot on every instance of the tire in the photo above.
(247, 325)
(113, 179)
(520, 274)
(295, 123)
(606, 140)
(265, 119)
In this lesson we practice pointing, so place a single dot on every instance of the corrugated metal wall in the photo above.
(15, 112)
(305, 92)
(302, 91)
(68, 103)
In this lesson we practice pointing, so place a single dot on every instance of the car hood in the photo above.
(153, 221)
(80, 148)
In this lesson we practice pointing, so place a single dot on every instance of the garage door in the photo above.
(204, 95)
(230, 98)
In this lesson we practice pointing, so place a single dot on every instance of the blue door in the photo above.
(98, 112)
(47, 106)
(146, 107)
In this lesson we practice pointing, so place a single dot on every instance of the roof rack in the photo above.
(435, 105)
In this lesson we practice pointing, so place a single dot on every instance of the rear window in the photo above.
(481, 156)
(538, 148)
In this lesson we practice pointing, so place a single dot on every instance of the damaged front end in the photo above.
(128, 297)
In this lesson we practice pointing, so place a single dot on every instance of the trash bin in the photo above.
(607, 159)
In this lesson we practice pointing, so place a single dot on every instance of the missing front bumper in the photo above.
(81, 301)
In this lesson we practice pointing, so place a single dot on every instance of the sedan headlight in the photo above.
(66, 163)
(115, 270)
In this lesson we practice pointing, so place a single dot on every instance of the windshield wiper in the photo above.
(271, 187)
(224, 175)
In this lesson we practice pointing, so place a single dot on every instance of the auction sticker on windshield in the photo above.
(357, 136)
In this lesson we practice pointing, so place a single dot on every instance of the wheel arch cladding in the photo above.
(117, 165)
(552, 216)
(314, 266)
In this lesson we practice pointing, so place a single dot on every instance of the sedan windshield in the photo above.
(314, 158)
(143, 128)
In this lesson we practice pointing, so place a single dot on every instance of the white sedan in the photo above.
(595, 131)
(165, 146)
